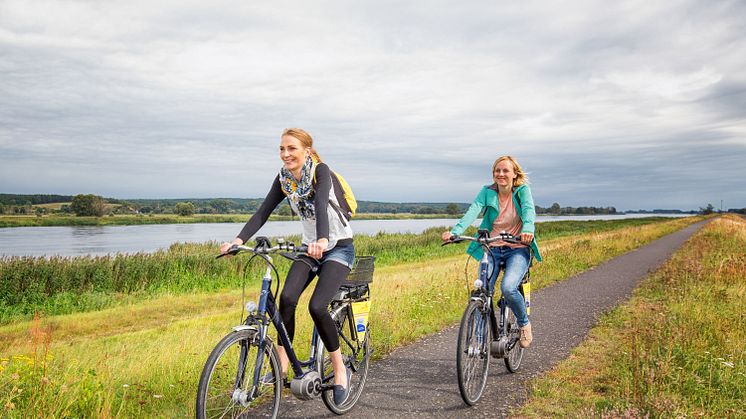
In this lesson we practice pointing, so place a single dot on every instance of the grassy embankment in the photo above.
(676, 349)
(63, 285)
(145, 358)
(136, 219)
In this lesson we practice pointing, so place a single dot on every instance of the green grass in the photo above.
(144, 359)
(676, 349)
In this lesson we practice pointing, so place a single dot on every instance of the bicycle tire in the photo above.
(514, 357)
(353, 352)
(473, 352)
(217, 382)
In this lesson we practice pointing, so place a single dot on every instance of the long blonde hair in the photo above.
(520, 175)
(304, 138)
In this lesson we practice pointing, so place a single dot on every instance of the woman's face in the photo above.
(504, 174)
(292, 153)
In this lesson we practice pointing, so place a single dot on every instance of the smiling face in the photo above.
(293, 153)
(504, 173)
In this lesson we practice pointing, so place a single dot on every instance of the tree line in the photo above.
(95, 205)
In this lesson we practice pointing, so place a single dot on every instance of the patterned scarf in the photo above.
(300, 193)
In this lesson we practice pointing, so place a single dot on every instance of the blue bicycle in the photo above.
(242, 378)
(481, 334)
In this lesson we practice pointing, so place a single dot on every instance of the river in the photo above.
(94, 240)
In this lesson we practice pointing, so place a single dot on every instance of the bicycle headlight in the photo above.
(478, 283)
(251, 307)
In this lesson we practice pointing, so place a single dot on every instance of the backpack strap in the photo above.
(337, 191)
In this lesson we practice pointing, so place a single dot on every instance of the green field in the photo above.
(676, 349)
(139, 349)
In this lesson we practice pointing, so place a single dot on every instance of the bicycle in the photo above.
(481, 335)
(242, 377)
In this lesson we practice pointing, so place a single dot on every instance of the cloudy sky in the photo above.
(634, 104)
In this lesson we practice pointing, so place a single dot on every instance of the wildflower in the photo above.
(45, 380)
(125, 385)
(10, 405)
(158, 396)
(728, 364)
(15, 377)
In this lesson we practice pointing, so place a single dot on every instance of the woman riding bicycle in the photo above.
(508, 206)
(307, 184)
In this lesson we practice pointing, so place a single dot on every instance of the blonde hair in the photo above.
(520, 175)
(304, 138)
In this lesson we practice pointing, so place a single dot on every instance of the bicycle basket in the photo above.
(362, 270)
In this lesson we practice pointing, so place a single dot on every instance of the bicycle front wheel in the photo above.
(473, 352)
(514, 357)
(356, 357)
(226, 387)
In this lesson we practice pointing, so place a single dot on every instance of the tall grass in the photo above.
(675, 350)
(59, 285)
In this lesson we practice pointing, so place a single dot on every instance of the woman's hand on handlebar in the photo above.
(526, 238)
(316, 249)
(225, 246)
(446, 236)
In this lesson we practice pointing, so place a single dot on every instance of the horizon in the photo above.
(186, 199)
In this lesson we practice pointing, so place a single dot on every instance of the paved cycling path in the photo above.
(419, 380)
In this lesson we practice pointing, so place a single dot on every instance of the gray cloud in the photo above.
(628, 104)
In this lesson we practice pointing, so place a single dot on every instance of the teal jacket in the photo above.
(487, 200)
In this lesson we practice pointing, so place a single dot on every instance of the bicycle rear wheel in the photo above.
(473, 352)
(514, 357)
(356, 356)
(226, 381)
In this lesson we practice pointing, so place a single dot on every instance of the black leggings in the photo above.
(331, 274)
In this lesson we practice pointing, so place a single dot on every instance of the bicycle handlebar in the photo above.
(263, 248)
(485, 239)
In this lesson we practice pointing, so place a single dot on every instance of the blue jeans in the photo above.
(516, 265)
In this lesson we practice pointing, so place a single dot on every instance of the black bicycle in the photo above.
(242, 376)
(482, 334)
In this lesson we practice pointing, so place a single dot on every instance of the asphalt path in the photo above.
(419, 380)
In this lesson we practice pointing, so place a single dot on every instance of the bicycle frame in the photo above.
(267, 312)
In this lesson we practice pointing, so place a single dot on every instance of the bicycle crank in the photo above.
(306, 387)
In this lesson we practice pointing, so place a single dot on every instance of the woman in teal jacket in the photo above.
(508, 206)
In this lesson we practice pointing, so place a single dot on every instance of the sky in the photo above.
(631, 104)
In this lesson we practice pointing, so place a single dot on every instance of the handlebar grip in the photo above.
(231, 251)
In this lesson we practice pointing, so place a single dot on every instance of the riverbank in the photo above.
(139, 219)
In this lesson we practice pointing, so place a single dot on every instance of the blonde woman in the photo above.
(508, 206)
(307, 184)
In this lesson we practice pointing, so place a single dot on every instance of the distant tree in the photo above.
(221, 205)
(88, 205)
(426, 210)
(2, 209)
(184, 209)
(707, 210)
(555, 209)
(452, 209)
(40, 211)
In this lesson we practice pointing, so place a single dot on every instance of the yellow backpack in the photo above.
(344, 195)
(347, 203)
